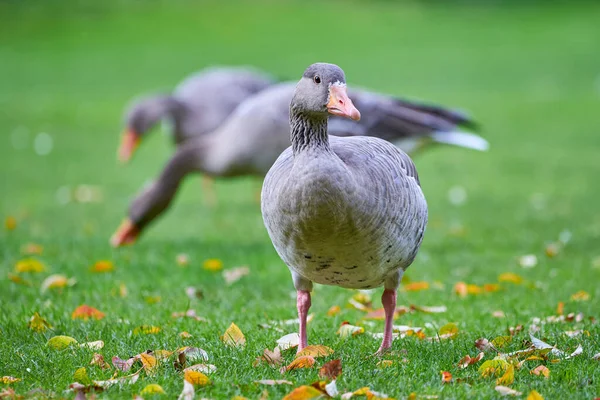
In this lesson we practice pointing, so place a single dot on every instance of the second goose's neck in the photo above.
(308, 132)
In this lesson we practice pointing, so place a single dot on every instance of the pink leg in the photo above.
(388, 299)
(303, 303)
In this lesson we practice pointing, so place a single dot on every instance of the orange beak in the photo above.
(126, 234)
(129, 143)
(340, 104)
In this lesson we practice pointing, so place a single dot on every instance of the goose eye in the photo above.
(317, 79)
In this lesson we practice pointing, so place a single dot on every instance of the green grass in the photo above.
(530, 74)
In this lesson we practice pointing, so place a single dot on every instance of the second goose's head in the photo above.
(322, 90)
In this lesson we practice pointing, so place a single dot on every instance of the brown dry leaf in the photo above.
(194, 293)
(582, 295)
(334, 310)
(331, 370)
(146, 330)
(18, 280)
(449, 330)
(10, 223)
(506, 391)
(534, 395)
(304, 392)
(273, 382)
(38, 324)
(29, 265)
(235, 274)
(446, 377)
(467, 360)
(317, 350)
(124, 365)
(86, 312)
(152, 389)
(300, 362)
(102, 266)
(60, 342)
(508, 377)
(484, 345)
(57, 281)
(541, 370)
(514, 330)
(213, 264)
(347, 330)
(415, 286)
(196, 378)
(273, 358)
(233, 336)
(510, 277)
(7, 380)
(429, 309)
(98, 360)
(189, 314)
(32, 248)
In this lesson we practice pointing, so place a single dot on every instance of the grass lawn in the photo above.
(530, 74)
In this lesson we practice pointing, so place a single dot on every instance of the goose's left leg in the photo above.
(388, 300)
(303, 289)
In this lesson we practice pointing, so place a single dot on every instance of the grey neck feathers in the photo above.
(308, 132)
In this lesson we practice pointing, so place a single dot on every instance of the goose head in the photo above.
(322, 90)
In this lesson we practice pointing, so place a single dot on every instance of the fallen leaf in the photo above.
(18, 280)
(188, 392)
(501, 341)
(129, 379)
(514, 330)
(446, 377)
(510, 277)
(196, 378)
(233, 336)
(146, 330)
(123, 365)
(123, 290)
(38, 324)
(552, 250)
(495, 367)
(32, 248)
(484, 345)
(315, 351)
(81, 376)
(534, 395)
(304, 392)
(498, 314)
(430, 309)
(450, 330)
(148, 362)
(288, 341)
(582, 295)
(273, 382)
(300, 362)
(204, 368)
(347, 330)
(474, 289)
(152, 389)
(468, 360)
(528, 261)
(331, 369)
(152, 299)
(213, 264)
(416, 286)
(235, 274)
(185, 335)
(86, 312)
(385, 363)
(596, 357)
(29, 265)
(334, 310)
(57, 281)
(7, 380)
(506, 391)
(461, 289)
(60, 342)
(96, 345)
(194, 353)
(99, 361)
(491, 287)
(10, 223)
(102, 266)
(273, 358)
(189, 314)
(182, 259)
(541, 370)
(508, 377)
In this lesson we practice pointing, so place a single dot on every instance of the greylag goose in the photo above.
(256, 133)
(341, 211)
(197, 106)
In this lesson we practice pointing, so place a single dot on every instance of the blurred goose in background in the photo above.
(256, 133)
(197, 106)
(341, 211)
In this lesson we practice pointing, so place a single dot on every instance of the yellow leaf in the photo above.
(10, 223)
(86, 312)
(304, 392)
(508, 377)
(582, 295)
(9, 379)
(146, 330)
(510, 277)
(474, 289)
(385, 363)
(301, 362)
(233, 336)
(450, 329)
(501, 341)
(57, 281)
(38, 324)
(494, 367)
(347, 330)
(60, 342)
(29, 265)
(122, 290)
(541, 370)
(534, 395)
(81, 376)
(560, 308)
(213, 264)
(152, 299)
(18, 279)
(148, 361)
(334, 310)
(162, 355)
(32, 248)
(103, 266)
(196, 377)
(152, 389)
(185, 335)
(315, 351)
(416, 286)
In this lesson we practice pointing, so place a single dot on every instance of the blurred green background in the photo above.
(528, 72)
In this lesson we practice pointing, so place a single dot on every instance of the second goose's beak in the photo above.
(126, 234)
(129, 143)
(340, 104)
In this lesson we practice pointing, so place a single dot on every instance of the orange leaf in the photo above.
(233, 336)
(461, 289)
(467, 360)
(102, 266)
(196, 378)
(301, 362)
(148, 361)
(446, 377)
(510, 277)
(304, 392)
(18, 279)
(57, 281)
(560, 308)
(86, 312)
(415, 286)
(541, 370)
(331, 370)
(334, 310)
(491, 287)
(315, 351)
(32, 248)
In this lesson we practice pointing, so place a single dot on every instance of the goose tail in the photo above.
(461, 139)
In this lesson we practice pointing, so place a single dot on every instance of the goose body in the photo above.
(341, 211)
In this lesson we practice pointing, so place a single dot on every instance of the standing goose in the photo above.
(197, 106)
(256, 133)
(341, 211)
